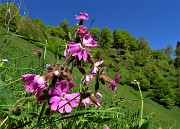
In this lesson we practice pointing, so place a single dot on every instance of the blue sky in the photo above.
(156, 20)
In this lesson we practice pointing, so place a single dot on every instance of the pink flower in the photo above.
(35, 52)
(34, 83)
(106, 127)
(82, 16)
(86, 101)
(112, 84)
(95, 68)
(93, 99)
(40, 51)
(60, 99)
(88, 41)
(87, 78)
(82, 31)
(56, 73)
(78, 50)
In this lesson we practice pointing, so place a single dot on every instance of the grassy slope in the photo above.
(19, 47)
(11, 72)
(163, 116)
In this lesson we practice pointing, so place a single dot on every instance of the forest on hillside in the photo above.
(156, 70)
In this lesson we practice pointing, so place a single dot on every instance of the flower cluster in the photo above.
(55, 85)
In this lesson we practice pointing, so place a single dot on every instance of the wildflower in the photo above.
(87, 78)
(40, 51)
(86, 101)
(82, 31)
(35, 52)
(82, 16)
(78, 50)
(60, 99)
(95, 68)
(56, 73)
(92, 99)
(88, 41)
(113, 82)
(106, 127)
(34, 83)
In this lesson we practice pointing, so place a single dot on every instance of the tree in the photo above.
(96, 33)
(168, 50)
(124, 41)
(177, 63)
(106, 38)
(177, 59)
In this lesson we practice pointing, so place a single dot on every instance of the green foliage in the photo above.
(141, 57)
(177, 60)
(6, 95)
(164, 93)
(96, 33)
(106, 38)
(177, 98)
(124, 41)
(132, 58)
(152, 73)
(143, 44)
(11, 18)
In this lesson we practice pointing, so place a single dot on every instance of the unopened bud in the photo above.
(17, 111)
(94, 100)
(106, 79)
(56, 73)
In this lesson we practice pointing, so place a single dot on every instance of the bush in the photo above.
(164, 94)
(144, 83)
(177, 98)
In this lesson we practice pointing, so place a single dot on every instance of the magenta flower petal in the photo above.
(63, 85)
(29, 87)
(86, 101)
(117, 79)
(66, 51)
(85, 55)
(54, 106)
(80, 54)
(68, 108)
(40, 51)
(62, 105)
(82, 31)
(53, 92)
(35, 52)
(74, 103)
(54, 99)
(74, 46)
(72, 96)
(28, 77)
(70, 85)
(58, 87)
(61, 110)
(39, 92)
(112, 86)
(82, 16)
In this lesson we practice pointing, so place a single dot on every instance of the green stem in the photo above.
(41, 113)
(142, 104)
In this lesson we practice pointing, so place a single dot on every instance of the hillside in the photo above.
(132, 58)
